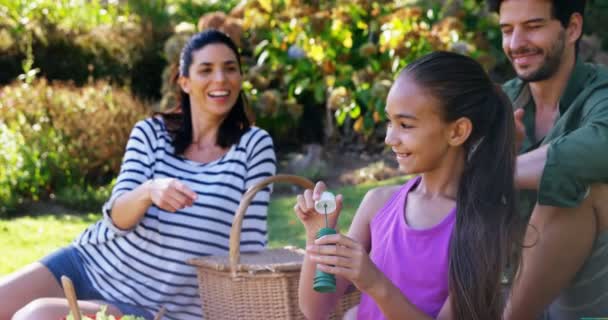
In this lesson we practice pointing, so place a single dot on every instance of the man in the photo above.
(561, 111)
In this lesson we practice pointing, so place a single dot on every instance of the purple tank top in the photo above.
(415, 260)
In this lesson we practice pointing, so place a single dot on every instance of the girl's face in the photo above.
(214, 80)
(415, 130)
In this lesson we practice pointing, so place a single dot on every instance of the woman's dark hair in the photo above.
(179, 119)
(488, 228)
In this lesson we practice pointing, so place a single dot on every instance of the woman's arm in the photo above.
(136, 190)
(130, 207)
(168, 194)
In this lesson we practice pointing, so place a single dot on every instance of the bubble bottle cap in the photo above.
(326, 204)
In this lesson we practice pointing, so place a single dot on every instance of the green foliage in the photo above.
(24, 15)
(339, 58)
(63, 135)
(87, 197)
(28, 166)
(80, 41)
(191, 10)
(11, 166)
(24, 23)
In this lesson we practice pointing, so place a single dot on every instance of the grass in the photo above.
(27, 239)
(285, 229)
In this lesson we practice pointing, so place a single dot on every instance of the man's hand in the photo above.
(520, 129)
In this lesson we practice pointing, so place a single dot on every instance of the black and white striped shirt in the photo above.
(146, 266)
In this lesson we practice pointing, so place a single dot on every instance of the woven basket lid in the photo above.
(270, 260)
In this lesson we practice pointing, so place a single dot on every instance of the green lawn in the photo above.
(27, 239)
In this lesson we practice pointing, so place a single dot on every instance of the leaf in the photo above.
(340, 117)
(262, 58)
(319, 93)
(301, 86)
(355, 112)
(260, 47)
(266, 5)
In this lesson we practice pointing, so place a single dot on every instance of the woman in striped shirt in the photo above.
(181, 180)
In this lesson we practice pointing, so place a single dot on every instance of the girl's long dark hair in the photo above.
(179, 119)
(488, 229)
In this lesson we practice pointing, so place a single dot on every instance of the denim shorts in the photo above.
(67, 261)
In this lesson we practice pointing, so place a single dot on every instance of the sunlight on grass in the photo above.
(27, 239)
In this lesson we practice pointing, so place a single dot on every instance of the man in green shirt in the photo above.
(561, 112)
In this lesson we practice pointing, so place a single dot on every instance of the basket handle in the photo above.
(235, 231)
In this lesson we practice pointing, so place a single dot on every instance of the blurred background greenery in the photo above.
(75, 75)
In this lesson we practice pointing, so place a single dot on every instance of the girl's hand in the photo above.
(305, 210)
(340, 255)
(170, 194)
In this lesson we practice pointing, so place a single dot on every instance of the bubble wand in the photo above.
(325, 282)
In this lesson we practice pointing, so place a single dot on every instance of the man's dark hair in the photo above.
(562, 9)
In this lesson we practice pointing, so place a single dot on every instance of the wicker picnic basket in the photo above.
(261, 285)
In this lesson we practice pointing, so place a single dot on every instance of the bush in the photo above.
(84, 198)
(82, 41)
(337, 59)
(191, 10)
(11, 166)
(73, 135)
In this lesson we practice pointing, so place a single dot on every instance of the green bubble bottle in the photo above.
(325, 282)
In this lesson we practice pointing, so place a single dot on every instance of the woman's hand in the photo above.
(340, 255)
(170, 194)
(305, 210)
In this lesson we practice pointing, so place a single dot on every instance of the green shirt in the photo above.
(578, 142)
(577, 157)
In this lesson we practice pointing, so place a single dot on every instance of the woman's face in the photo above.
(415, 130)
(214, 80)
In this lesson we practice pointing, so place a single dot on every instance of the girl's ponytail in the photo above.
(487, 226)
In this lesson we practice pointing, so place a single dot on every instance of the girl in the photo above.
(181, 181)
(436, 246)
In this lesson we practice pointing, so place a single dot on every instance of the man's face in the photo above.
(532, 38)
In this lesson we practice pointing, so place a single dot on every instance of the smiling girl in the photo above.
(436, 246)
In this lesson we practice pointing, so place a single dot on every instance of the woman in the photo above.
(181, 180)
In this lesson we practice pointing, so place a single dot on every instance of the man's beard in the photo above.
(550, 64)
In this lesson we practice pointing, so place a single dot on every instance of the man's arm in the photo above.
(563, 170)
(530, 167)
(563, 224)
